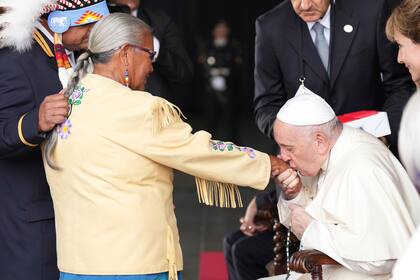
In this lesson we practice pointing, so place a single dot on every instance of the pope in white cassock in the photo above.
(352, 199)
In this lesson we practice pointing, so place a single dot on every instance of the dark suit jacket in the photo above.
(27, 234)
(357, 61)
(173, 66)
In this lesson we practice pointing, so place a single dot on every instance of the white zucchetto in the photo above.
(305, 108)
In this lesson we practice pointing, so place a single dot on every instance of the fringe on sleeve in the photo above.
(165, 114)
(220, 194)
(210, 193)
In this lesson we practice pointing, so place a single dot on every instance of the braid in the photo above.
(125, 29)
(79, 72)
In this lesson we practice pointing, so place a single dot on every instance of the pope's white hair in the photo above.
(18, 22)
(409, 138)
(330, 129)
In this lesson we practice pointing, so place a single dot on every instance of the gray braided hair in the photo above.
(106, 37)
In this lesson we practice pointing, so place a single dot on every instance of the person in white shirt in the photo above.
(345, 195)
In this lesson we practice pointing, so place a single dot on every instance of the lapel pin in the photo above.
(348, 28)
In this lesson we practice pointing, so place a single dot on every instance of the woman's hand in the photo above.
(277, 166)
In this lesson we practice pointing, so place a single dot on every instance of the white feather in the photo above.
(18, 23)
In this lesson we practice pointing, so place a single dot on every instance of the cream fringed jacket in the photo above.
(113, 193)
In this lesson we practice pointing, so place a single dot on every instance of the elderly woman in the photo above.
(403, 27)
(110, 164)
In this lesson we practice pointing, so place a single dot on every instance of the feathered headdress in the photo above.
(17, 21)
(18, 18)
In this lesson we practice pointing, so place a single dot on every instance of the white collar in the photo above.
(44, 31)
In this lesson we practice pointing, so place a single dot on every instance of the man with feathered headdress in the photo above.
(37, 40)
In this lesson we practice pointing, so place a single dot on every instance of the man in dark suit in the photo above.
(350, 64)
(173, 67)
(30, 106)
(27, 242)
(362, 73)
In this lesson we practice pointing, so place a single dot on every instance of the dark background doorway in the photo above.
(195, 19)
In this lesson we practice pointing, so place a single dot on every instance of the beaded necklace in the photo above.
(289, 229)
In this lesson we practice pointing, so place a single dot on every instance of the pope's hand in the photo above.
(289, 182)
(300, 219)
(53, 111)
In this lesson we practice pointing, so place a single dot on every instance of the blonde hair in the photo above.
(405, 19)
(106, 37)
(409, 138)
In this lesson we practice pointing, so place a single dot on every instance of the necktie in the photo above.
(321, 44)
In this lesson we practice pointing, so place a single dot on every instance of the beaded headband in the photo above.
(18, 18)
(76, 13)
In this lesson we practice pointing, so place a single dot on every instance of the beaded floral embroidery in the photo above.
(75, 98)
(77, 95)
(64, 129)
(249, 151)
(227, 146)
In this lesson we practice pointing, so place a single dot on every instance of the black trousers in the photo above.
(246, 257)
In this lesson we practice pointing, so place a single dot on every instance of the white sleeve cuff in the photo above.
(295, 200)
(283, 207)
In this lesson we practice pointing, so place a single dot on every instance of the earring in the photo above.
(126, 77)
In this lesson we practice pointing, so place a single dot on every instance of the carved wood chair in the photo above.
(279, 264)
(310, 261)
(267, 215)
(305, 261)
